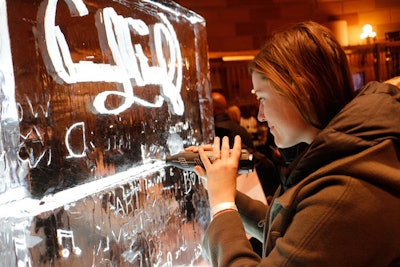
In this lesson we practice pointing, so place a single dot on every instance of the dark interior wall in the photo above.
(234, 25)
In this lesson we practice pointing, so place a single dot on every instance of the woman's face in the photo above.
(284, 120)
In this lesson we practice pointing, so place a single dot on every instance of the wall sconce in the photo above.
(367, 33)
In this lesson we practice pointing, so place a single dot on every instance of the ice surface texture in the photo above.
(91, 92)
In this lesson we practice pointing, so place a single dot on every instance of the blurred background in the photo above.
(369, 30)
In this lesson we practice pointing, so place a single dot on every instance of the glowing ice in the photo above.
(93, 94)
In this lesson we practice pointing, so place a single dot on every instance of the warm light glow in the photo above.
(367, 28)
(237, 58)
(221, 54)
(367, 32)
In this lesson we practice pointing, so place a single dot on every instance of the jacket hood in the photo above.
(362, 140)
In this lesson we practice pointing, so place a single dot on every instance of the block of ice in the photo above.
(92, 94)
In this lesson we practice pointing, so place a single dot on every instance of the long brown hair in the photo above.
(308, 65)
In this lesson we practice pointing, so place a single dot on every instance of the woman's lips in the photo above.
(271, 128)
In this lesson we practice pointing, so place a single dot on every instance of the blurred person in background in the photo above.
(225, 126)
(234, 113)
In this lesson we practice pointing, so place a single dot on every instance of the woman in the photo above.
(339, 205)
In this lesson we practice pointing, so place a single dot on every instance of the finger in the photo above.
(225, 149)
(192, 149)
(200, 171)
(217, 148)
(237, 147)
(207, 147)
(204, 158)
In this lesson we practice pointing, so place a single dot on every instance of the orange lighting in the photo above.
(367, 32)
(233, 55)
(237, 58)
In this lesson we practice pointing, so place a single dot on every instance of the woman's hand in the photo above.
(221, 173)
(201, 173)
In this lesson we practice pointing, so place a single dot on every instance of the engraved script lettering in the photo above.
(130, 66)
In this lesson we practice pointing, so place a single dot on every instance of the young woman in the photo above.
(340, 203)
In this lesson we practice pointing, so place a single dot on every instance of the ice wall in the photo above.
(93, 95)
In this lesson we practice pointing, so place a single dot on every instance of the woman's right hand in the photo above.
(201, 173)
(220, 173)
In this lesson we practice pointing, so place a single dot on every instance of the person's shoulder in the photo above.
(394, 81)
(389, 87)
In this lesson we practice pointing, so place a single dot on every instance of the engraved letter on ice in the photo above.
(72, 154)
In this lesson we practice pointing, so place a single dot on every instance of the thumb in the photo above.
(202, 175)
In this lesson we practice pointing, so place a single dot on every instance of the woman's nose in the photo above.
(260, 115)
